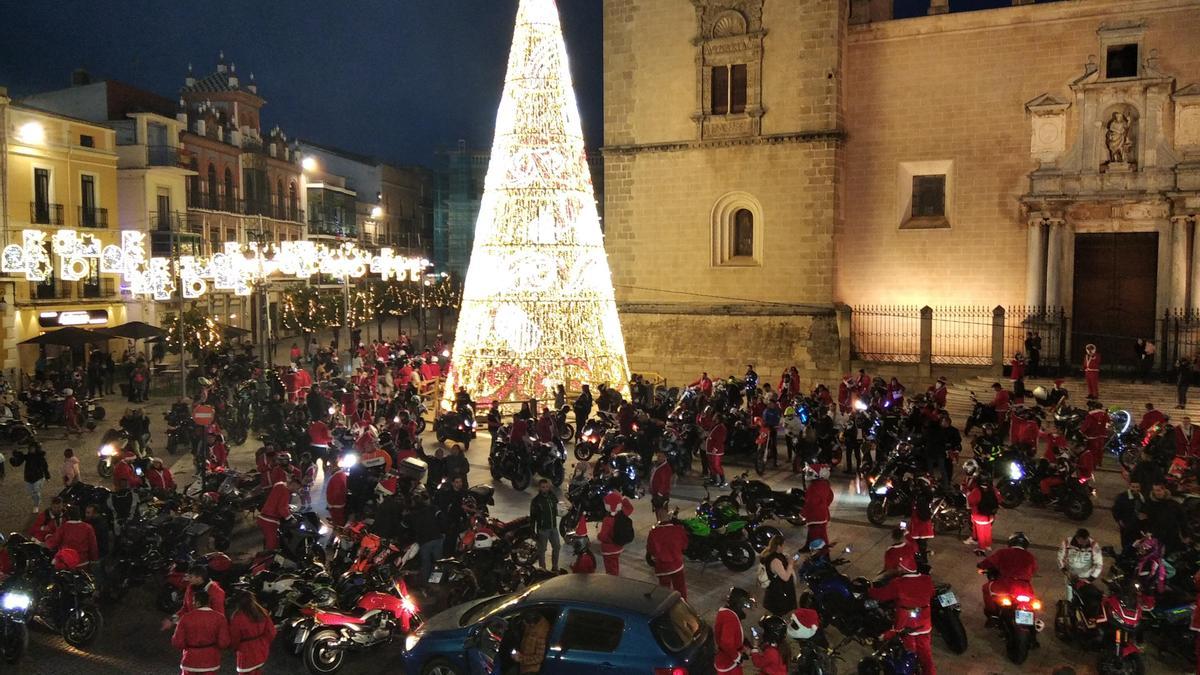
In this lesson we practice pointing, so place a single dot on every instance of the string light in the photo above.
(538, 307)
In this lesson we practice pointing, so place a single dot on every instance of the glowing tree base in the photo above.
(538, 307)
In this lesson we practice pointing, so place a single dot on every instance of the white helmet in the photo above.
(1039, 393)
(801, 629)
(483, 539)
(815, 471)
(970, 467)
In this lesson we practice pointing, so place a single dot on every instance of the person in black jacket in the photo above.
(1163, 517)
(37, 472)
(1125, 509)
(583, 409)
(427, 531)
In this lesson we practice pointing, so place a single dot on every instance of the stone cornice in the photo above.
(825, 135)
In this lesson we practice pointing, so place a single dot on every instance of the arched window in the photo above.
(211, 188)
(279, 197)
(737, 231)
(743, 233)
(293, 202)
(229, 194)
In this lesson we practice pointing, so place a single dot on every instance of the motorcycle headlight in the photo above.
(108, 450)
(333, 410)
(325, 530)
(1015, 472)
(881, 490)
(15, 601)
(860, 405)
(348, 460)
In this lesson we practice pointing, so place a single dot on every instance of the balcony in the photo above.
(331, 225)
(162, 155)
(211, 202)
(93, 217)
(45, 213)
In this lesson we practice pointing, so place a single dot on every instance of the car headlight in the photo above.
(410, 642)
(15, 601)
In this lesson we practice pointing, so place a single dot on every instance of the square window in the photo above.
(1121, 61)
(737, 88)
(87, 141)
(592, 632)
(929, 196)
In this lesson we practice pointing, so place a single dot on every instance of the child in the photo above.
(585, 560)
(70, 469)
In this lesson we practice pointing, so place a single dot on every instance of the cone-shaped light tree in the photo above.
(537, 307)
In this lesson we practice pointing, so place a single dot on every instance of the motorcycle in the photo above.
(17, 432)
(457, 426)
(564, 429)
(843, 601)
(759, 497)
(946, 615)
(1017, 619)
(549, 459)
(595, 431)
(14, 634)
(510, 461)
(60, 600)
(724, 512)
(376, 619)
(727, 543)
(889, 657)
(180, 429)
(950, 513)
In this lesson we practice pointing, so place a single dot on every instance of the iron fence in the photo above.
(962, 335)
(1026, 327)
(1180, 336)
(886, 333)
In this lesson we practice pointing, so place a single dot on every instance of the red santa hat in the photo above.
(67, 559)
(614, 501)
(807, 617)
(1058, 382)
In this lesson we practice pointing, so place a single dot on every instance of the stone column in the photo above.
(1054, 262)
(939, 6)
(1195, 268)
(1179, 263)
(1035, 260)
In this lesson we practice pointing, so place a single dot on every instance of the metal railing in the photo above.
(1044, 328)
(93, 217)
(1180, 336)
(212, 202)
(162, 155)
(889, 334)
(167, 221)
(962, 335)
(45, 213)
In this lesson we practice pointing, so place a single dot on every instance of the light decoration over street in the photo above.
(538, 307)
(237, 268)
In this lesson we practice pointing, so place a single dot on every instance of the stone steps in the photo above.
(1120, 394)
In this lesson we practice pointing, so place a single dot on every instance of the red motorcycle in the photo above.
(376, 619)
(1120, 653)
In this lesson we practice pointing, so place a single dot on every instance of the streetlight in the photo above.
(309, 164)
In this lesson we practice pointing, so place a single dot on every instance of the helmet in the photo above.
(970, 467)
(790, 411)
(68, 392)
(803, 624)
(1146, 545)
(204, 382)
(739, 600)
(578, 543)
(774, 629)
(1039, 393)
(1018, 540)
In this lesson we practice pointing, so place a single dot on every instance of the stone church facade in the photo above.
(768, 161)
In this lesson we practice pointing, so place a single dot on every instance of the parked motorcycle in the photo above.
(60, 600)
(14, 634)
(947, 618)
(1017, 619)
(510, 461)
(549, 460)
(759, 497)
(889, 657)
(376, 619)
(843, 602)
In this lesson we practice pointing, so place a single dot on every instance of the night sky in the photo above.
(396, 79)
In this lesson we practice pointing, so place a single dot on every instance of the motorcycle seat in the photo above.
(340, 618)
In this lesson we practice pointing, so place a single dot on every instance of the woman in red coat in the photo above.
(250, 634)
(1091, 371)
(201, 635)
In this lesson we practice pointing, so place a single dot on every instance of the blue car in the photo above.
(594, 624)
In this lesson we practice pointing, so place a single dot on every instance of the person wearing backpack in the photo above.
(984, 501)
(775, 569)
(616, 530)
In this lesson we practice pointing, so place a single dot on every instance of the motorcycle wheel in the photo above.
(795, 520)
(16, 641)
(584, 451)
(762, 536)
(522, 480)
(237, 434)
(566, 432)
(104, 468)
(1062, 623)
(876, 513)
(494, 467)
(82, 628)
(566, 524)
(1017, 645)
(760, 461)
(557, 474)
(1011, 494)
(420, 422)
(441, 436)
(98, 412)
(738, 556)
(953, 632)
(320, 656)
(1077, 507)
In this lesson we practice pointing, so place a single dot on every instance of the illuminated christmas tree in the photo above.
(537, 306)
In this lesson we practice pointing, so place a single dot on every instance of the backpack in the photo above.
(762, 577)
(622, 529)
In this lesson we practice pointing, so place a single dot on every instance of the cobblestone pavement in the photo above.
(132, 643)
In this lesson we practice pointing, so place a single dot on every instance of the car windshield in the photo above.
(677, 628)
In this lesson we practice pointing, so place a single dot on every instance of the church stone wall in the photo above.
(954, 87)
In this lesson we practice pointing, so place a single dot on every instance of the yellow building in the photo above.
(59, 173)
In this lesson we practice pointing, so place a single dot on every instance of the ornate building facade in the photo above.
(784, 158)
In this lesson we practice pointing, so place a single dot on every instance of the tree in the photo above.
(201, 331)
(537, 306)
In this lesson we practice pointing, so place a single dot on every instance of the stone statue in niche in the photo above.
(1118, 140)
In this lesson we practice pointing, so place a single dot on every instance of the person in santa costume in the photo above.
(714, 447)
(1091, 370)
(335, 496)
(1095, 431)
(201, 635)
(727, 631)
(910, 592)
(251, 632)
(665, 545)
(939, 393)
(817, 500)
(614, 502)
(766, 655)
(275, 510)
(901, 556)
(661, 476)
